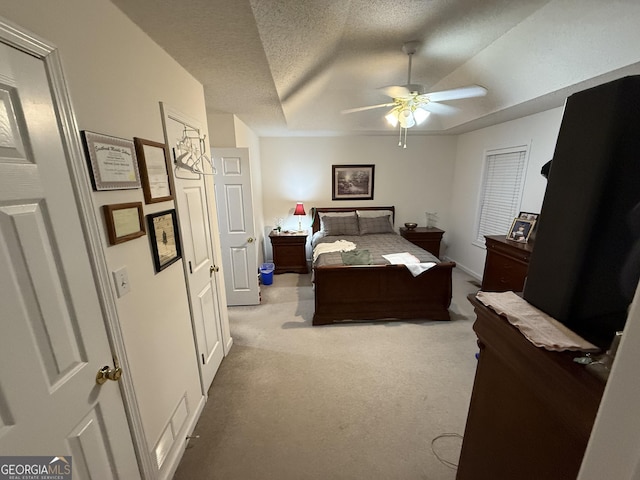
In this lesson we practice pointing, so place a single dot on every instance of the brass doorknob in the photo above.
(108, 373)
(213, 268)
(250, 240)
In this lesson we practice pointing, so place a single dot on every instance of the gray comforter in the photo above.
(378, 244)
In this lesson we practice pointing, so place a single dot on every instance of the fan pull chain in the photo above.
(400, 138)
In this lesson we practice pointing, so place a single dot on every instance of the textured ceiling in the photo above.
(288, 67)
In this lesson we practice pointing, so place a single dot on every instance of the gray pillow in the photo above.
(339, 225)
(370, 225)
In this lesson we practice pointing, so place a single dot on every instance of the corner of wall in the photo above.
(222, 132)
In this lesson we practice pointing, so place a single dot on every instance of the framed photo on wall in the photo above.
(112, 161)
(154, 163)
(520, 230)
(124, 222)
(165, 238)
(352, 182)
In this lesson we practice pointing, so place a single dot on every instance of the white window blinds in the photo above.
(501, 191)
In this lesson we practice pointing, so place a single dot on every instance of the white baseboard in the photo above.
(172, 461)
(466, 270)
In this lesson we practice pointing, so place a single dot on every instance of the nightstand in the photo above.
(427, 238)
(289, 251)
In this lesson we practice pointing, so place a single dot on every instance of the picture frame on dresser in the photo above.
(528, 216)
(520, 230)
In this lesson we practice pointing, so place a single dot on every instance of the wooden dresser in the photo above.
(427, 238)
(531, 411)
(506, 264)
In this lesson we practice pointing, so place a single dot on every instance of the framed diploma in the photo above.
(154, 164)
(124, 221)
(112, 162)
(165, 238)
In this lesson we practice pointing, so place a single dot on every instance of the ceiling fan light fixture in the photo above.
(410, 100)
(392, 118)
(406, 119)
(421, 115)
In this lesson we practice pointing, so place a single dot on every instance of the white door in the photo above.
(234, 202)
(53, 339)
(200, 265)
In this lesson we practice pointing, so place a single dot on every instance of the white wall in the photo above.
(588, 38)
(117, 76)
(228, 131)
(415, 180)
(540, 132)
(221, 130)
(614, 447)
(434, 173)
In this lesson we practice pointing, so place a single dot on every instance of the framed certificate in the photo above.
(154, 163)
(125, 221)
(112, 162)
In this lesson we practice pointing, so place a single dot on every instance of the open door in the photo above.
(234, 202)
(54, 340)
(182, 135)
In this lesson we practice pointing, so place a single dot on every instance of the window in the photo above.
(501, 192)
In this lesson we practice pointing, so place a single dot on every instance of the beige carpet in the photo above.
(350, 401)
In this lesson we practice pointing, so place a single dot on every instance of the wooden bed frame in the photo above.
(378, 292)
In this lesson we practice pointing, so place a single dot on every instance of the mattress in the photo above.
(377, 244)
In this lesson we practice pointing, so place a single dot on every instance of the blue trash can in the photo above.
(266, 273)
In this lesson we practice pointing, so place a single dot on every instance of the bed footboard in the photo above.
(381, 292)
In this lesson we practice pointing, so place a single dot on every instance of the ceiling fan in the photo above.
(412, 104)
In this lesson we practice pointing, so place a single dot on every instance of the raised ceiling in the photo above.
(288, 67)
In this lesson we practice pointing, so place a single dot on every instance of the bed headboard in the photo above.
(315, 226)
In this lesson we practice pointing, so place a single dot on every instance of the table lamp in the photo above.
(299, 210)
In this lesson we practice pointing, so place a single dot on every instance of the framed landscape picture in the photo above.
(352, 182)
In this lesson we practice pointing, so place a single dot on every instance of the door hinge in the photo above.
(203, 362)
(190, 269)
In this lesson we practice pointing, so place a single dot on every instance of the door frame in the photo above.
(48, 53)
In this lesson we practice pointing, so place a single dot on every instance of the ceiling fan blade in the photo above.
(457, 93)
(440, 108)
(396, 91)
(370, 107)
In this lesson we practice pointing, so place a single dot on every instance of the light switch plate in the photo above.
(121, 279)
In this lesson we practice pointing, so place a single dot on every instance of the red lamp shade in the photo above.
(299, 209)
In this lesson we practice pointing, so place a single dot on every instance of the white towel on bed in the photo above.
(337, 246)
(410, 261)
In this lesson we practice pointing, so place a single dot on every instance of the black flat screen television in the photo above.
(582, 269)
